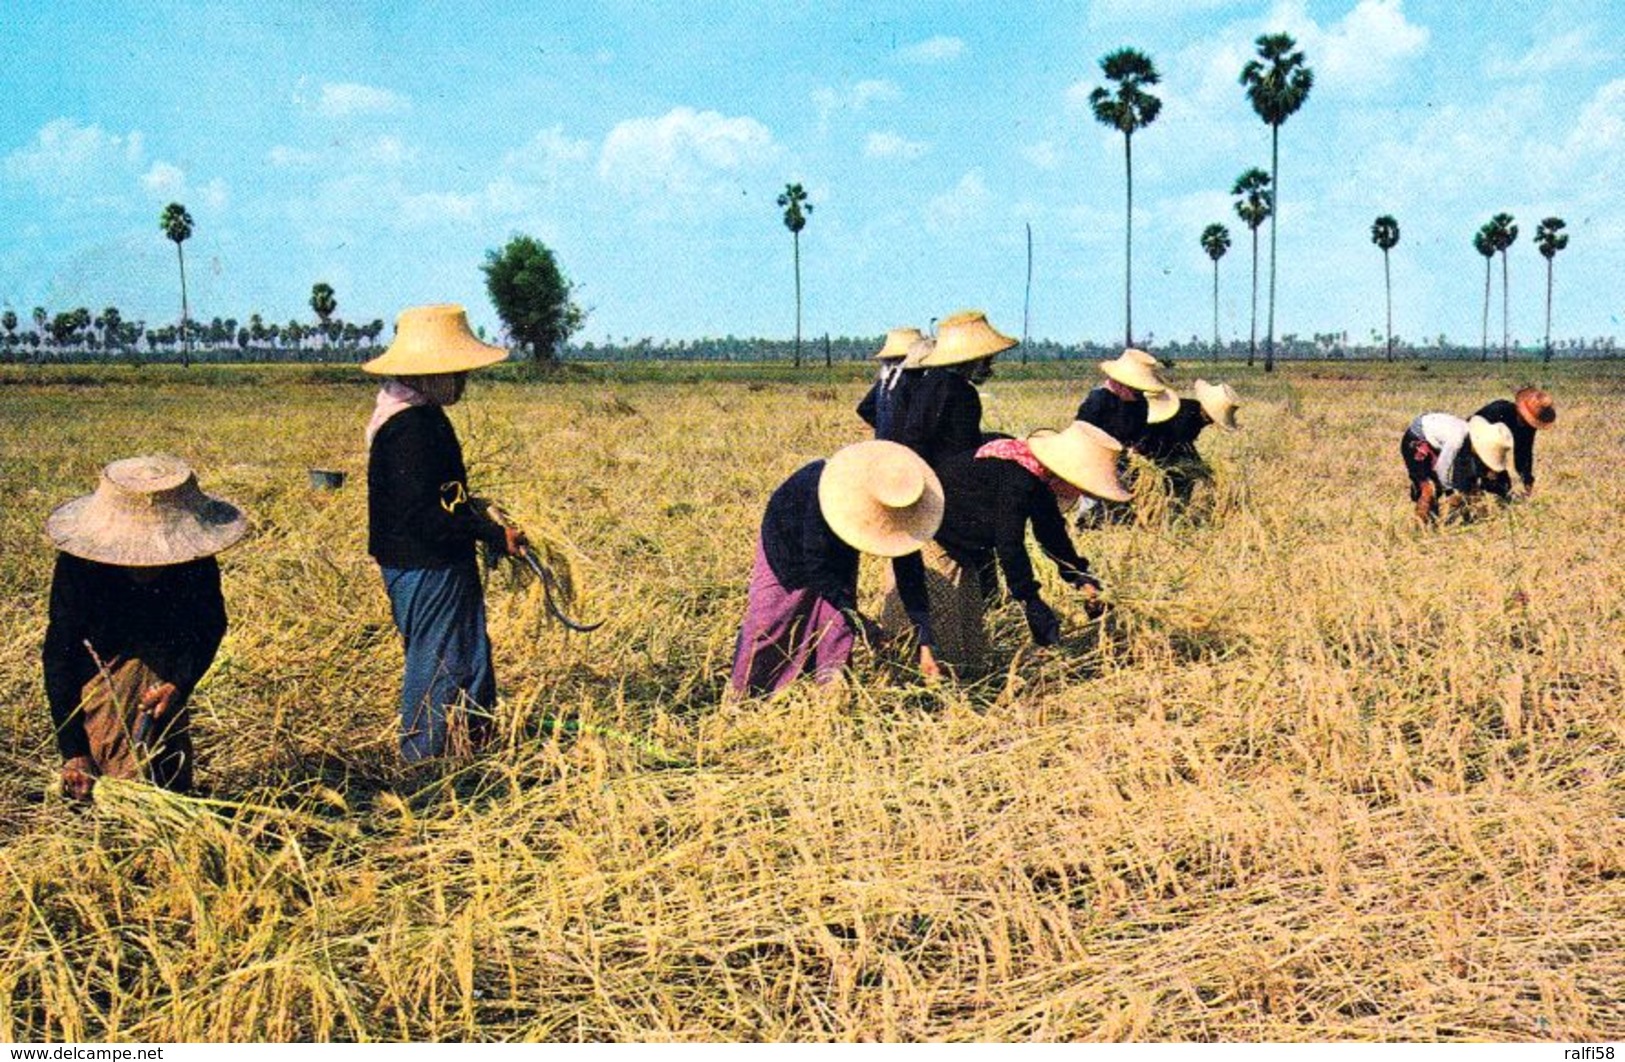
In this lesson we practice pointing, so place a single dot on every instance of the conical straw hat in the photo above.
(1085, 457)
(880, 497)
(1220, 401)
(918, 351)
(966, 336)
(1136, 369)
(898, 342)
(1163, 405)
(431, 340)
(1491, 442)
(145, 512)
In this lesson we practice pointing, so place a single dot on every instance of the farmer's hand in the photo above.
(930, 670)
(155, 699)
(1042, 621)
(1528, 487)
(78, 777)
(514, 541)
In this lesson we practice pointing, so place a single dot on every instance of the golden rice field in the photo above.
(1317, 775)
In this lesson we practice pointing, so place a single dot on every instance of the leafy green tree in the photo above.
(1254, 208)
(1215, 241)
(323, 303)
(110, 321)
(1549, 239)
(796, 208)
(8, 321)
(1278, 83)
(1128, 109)
(1503, 234)
(1484, 244)
(1385, 234)
(176, 224)
(532, 295)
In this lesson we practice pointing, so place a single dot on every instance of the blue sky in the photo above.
(384, 147)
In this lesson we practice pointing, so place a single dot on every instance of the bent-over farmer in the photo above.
(423, 523)
(1171, 444)
(874, 497)
(1530, 410)
(1450, 458)
(136, 616)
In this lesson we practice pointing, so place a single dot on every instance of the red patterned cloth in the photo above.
(1018, 451)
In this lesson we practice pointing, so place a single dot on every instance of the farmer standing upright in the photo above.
(880, 407)
(944, 412)
(423, 523)
(136, 616)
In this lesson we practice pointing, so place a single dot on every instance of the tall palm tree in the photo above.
(1254, 207)
(1484, 244)
(796, 208)
(1385, 234)
(1215, 241)
(1504, 233)
(110, 321)
(1278, 83)
(323, 303)
(1549, 239)
(1127, 109)
(176, 224)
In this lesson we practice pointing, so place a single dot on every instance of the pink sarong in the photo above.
(783, 630)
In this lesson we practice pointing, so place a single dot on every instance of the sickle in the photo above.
(548, 585)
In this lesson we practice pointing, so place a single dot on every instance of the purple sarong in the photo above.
(782, 629)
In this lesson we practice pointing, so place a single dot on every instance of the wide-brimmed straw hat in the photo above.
(1491, 442)
(1136, 369)
(1162, 405)
(145, 512)
(966, 336)
(918, 351)
(1219, 401)
(431, 340)
(898, 342)
(880, 497)
(1084, 456)
(1536, 408)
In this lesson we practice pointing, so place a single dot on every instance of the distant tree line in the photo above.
(78, 335)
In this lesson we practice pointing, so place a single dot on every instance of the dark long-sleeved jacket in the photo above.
(943, 416)
(884, 406)
(174, 623)
(419, 509)
(1504, 411)
(1123, 421)
(989, 502)
(1175, 438)
(805, 553)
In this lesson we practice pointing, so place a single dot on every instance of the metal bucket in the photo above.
(326, 479)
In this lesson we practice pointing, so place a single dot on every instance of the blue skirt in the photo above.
(440, 613)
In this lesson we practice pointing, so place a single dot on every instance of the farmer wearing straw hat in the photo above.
(1132, 395)
(135, 618)
(1530, 410)
(944, 411)
(1171, 444)
(993, 494)
(873, 497)
(879, 407)
(1449, 458)
(423, 523)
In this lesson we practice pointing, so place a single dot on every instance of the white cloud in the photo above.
(964, 202)
(285, 157)
(866, 92)
(934, 50)
(684, 153)
(1601, 123)
(1363, 50)
(550, 146)
(345, 99)
(66, 156)
(164, 180)
(892, 146)
(830, 101)
(1572, 50)
(1043, 154)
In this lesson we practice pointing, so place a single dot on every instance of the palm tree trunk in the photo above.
(1275, 183)
(797, 237)
(1215, 309)
(1388, 284)
(1506, 331)
(1252, 334)
(1548, 311)
(1486, 354)
(1128, 260)
(186, 342)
